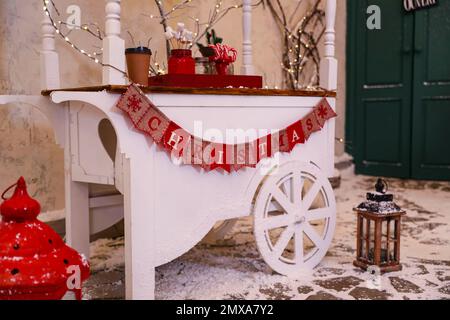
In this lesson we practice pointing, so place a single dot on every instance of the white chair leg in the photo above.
(77, 215)
(77, 201)
(139, 229)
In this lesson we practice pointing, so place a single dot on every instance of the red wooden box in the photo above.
(205, 81)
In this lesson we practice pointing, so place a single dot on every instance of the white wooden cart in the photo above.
(169, 209)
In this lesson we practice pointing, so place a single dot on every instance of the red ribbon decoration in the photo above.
(147, 118)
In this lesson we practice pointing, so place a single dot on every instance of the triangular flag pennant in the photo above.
(252, 155)
(324, 112)
(154, 123)
(134, 104)
(196, 151)
(214, 156)
(283, 141)
(264, 148)
(176, 139)
(295, 134)
(310, 124)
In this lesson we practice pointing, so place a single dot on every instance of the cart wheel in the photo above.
(294, 218)
(219, 231)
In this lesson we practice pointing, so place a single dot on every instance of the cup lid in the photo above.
(143, 50)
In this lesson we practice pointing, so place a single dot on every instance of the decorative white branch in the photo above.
(300, 36)
(113, 46)
(247, 54)
(49, 56)
(329, 64)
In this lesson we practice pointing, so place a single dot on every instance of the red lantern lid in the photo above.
(35, 263)
(20, 206)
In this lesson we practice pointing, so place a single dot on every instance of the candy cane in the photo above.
(231, 54)
(224, 53)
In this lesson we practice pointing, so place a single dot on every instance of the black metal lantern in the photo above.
(378, 231)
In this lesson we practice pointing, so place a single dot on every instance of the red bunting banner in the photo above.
(194, 151)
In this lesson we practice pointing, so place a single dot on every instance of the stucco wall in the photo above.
(27, 144)
(341, 41)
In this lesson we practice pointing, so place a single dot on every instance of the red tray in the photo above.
(205, 81)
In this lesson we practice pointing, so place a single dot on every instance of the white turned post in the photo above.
(247, 64)
(113, 46)
(49, 56)
(329, 64)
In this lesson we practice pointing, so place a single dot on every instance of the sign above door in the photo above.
(413, 5)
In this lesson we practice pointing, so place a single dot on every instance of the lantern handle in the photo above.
(382, 186)
(6, 191)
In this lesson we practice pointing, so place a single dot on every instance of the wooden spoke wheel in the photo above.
(294, 218)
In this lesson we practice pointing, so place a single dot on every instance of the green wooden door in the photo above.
(398, 91)
(431, 94)
(383, 64)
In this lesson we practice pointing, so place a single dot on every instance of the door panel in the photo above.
(382, 49)
(384, 146)
(431, 108)
(383, 73)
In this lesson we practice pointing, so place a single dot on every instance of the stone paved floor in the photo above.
(233, 269)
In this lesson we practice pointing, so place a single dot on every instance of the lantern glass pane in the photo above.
(371, 251)
(385, 242)
(384, 230)
(392, 257)
(362, 237)
(384, 252)
(396, 224)
(392, 230)
(371, 242)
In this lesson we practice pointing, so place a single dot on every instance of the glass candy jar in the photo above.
(181, 62)
(223, 68)
(204, 66)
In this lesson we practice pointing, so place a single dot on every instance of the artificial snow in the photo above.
(382, 207)
(106, 254)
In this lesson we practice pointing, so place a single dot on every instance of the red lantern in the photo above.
(35, 263)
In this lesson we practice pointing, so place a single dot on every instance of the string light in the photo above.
(218, 13)
(89, 55)
(65, 37)
(300, 50)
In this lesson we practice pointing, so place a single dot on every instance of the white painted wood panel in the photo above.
(90, 161)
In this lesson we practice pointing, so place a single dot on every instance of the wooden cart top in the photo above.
(212, 91)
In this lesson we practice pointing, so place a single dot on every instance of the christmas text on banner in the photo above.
(194, 151)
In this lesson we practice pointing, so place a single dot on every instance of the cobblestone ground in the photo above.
(233, 269)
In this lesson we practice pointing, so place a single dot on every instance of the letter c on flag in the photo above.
(152, 121)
